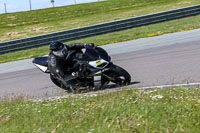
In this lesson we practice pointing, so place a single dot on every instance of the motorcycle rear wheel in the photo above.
(55, 81)
(59, 84)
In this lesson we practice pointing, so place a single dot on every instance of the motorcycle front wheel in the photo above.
(118, 75)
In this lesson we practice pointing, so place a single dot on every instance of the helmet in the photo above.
(56, 45)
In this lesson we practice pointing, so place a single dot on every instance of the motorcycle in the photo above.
(92, 65)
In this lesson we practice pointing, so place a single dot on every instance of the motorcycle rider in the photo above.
(57, 60)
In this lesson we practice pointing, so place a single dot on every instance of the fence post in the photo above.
(30, 4)
(5, 7)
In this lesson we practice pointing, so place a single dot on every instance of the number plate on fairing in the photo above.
(98, 63)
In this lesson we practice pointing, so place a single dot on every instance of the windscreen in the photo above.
(91, 54)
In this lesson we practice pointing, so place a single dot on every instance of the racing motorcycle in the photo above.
(92, 65)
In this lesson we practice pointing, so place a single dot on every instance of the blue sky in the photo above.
(23, 5)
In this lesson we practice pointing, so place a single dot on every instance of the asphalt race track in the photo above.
(168, 59)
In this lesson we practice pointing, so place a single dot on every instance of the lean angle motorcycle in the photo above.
(94, 67)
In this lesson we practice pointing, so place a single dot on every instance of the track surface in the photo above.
(168, 59)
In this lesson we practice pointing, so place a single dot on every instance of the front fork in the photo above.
(108, 70)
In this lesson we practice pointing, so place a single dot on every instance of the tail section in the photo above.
(41, 63)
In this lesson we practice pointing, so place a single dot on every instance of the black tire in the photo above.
(59, 84)
(55, 81)
(119, 75)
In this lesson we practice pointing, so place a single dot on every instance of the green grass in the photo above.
(26, 24)
(145, 111)
(131, 34)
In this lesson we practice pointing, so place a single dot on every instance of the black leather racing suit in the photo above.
(57, 62)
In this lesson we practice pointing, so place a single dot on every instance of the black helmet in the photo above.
(56, 45)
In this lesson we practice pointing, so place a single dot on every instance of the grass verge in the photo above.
(155, 110)
(131, 34)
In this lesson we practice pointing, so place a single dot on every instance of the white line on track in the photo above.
(94, 94)
(188, 85)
